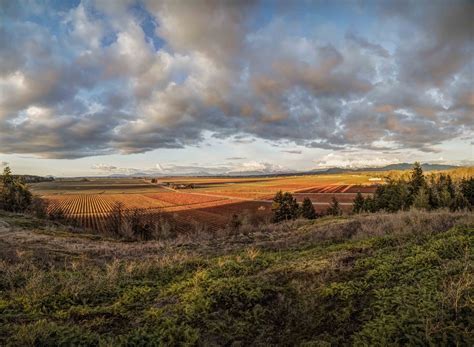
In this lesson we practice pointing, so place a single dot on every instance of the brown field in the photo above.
(210, 204)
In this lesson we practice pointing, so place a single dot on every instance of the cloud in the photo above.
(293, 151)
(3, 163)
(169, 169)
(348, 160)
(364, 43)
(132, 77)
(104, 167)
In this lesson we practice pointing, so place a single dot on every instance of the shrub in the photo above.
(358, 204)
(235, 223)
(57, 215)
(39, 208)
(334, 209)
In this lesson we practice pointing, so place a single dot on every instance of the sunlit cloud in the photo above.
(101, 78)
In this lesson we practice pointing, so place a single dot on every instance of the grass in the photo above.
(401, 279)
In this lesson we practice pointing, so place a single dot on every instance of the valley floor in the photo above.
(382, 279)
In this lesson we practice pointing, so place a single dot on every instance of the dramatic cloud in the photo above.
(168, 169)
(104, 167)
(105, 77)
(348, 160)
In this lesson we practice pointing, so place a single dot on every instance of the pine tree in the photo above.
(459, 203)
(450, 186)
(369, 205)
(334, 208)
(307, 209)
(7, 177)
(284, 207)
(421, 200)
(467, 189)
(358, 204)
(417, 179)
(433, 193)
(15, 195)
(393, 196)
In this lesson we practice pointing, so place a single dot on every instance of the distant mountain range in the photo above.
(391, 167)
(332, 170)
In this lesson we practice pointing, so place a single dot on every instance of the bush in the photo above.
(235, 223)
(358, 204)
(39, 208)
(334, 208)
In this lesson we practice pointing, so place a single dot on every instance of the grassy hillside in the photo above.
(400, 279)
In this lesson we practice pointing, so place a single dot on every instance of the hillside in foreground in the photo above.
(381, 279)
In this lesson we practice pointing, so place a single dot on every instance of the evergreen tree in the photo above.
(433, 197)
(334, 208)
(358, 204)
(392, 197)
(307, 209)
(459, 203)
(421, 200)
(15, 195)
(7, 177)
(417, 180)
(445, 198)
(369, 205)
(284, 207)
(450, 187)
(467, 189)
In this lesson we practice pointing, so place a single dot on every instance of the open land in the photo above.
(366, 280)
(208, 201)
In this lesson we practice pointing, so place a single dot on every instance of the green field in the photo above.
(383, 279)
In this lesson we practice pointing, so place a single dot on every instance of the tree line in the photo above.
(412, 190)
(420, 192)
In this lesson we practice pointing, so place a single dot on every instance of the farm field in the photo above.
(211, 203)
(96, 186)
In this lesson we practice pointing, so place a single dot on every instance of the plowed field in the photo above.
(210, 204)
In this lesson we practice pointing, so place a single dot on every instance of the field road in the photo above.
(247, 199)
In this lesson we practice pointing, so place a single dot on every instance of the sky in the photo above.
(100, 87)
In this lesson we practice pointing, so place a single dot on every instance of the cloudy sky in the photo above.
(98, 87)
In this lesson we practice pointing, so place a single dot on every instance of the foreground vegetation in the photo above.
(402, 279)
